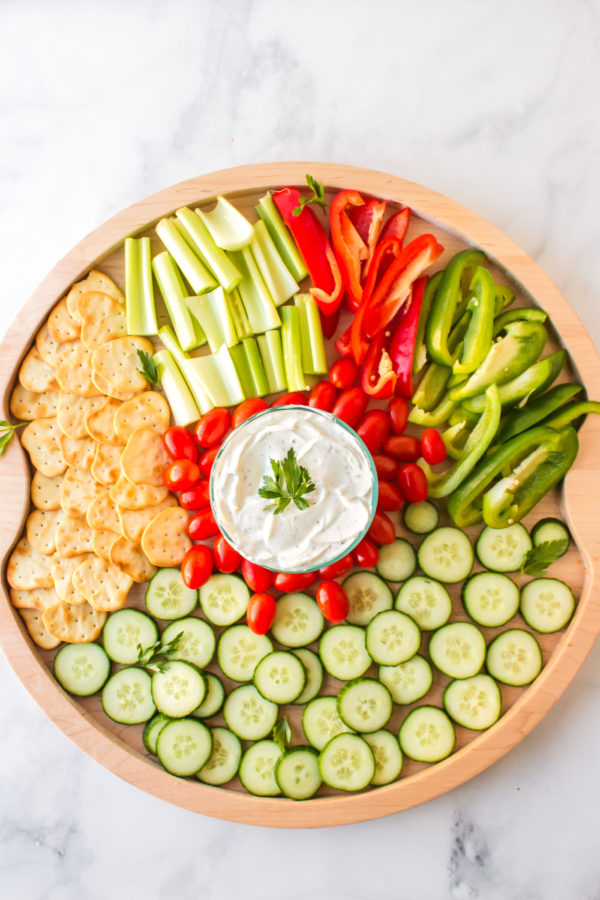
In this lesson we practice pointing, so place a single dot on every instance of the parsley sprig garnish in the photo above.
(6, 432)
(156, 656)
(290, 482)
(318, 195)
(148, 370)
(538, 559)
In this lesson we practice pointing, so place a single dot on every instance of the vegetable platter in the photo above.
(124, 748)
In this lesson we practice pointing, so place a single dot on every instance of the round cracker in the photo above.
(106, 467)
(135, 521)
(147, 410)
(39, 598)
(102, 319)
(144, 458)
(73, 537)
(136, 496)
(37, 630)
(129, 558)
(96, 281)
(41, 440)
(165, 540)
(49, 349)
(35, 375)
(77, 491)
(41, 530)
(118, 363)
(61, 324)
(104, 586)
(102, 541)
(102, 514)
(75, 375)
(45, 492)
(27, 569)
(73, 412)
(79, 624)
(107, 389)
(62, 575)
(30, 405)
(79, 453)
(100, 424)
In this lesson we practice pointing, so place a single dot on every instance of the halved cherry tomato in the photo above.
(333, 601)
(179, 443)
(322, 396)
(202, 525)
(205, 463)
(390, 497)
(413, 481)
(226, 558)
(373, 428)
(257, 578)
(212, 427)
(386, 466)
(196, 497)
(197, 566)
(404, 447)
(365, 553)
(294, 398)
(338, 568)
(181, 475)
(293, 581)
(343, 373)
(246, 409)
(350, 406)
(398, 413)
(382, 529)
(433, 448)
(260, 613)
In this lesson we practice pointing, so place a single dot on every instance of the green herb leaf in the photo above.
(282, 734)
(156, 656)
(318, 195)
(6, 432)
(148, 370)
(539, 558)
(290, 483)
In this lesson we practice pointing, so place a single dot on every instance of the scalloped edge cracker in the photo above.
(106, 466)
(100, 424)
(104, 586)
(95, 281)
(39, 598)
(144, 458)
(102, 514)
(29, 405)
(62, 325)
(136, 496)
(75, 375)
(79, 453)
(41, 528)
(118, 364)
(38, 632)
(77, 491)
(165, 540)
(129, 558)
(35, 375)
(27, 569)
(41, 440)
(135, 521)
(79, 624)
(73, 537)
(102, 542)
(107, 389)
(73, 412)
(102, 319)
(45, 492)
(147, 410)
(62, 570)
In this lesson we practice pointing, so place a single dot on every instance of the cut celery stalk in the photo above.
(258, 303)
(269, 345)
(211, 311)
(311, 335)
(239, 315)
(168, 338)
(190, 264)
(228, 228)
(179, 397)
(283, 239)
(291, 345)
(216, 375)
(189, 334)
(139, 291)
(257, 370)
(242, 367)
(214, 257)
(275, 273)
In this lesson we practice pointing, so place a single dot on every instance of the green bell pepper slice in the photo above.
(436, 378)
(520, 419)
(504, 297)
(530, 383)
(521, 314)
(478, 337)
(455, 438)
(447, 298)
(420, 354)
(571, 412)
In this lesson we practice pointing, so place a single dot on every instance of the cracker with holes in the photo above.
(165, 541)
(102, 514)
(35, 375)
(50, 350)
(129, 558)
(38, 632)
(77, 491)
(62, 326)
(117, 362)
(135, 521)
(144, 458)
(147, 410)
(100, 423)
(106, 388)
(29, 405)
(104, 586)
(41, 440)
(106, 467)
(73, 412)
(39, 598)
(27, 569)
(62, 575)
(102, 319)
(96, 281)
(79, 454)
(41, 530)
(102, 542)
(73, 537)
(79, 624)
(75, 375)
(45, 492)
(136, 496)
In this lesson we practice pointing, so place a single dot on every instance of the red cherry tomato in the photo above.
(197, 566)
(350, 406)
(404, 447)
(226, 558)
(202, 525)
(413, 483)
(373, 428)
(196, 497)
(212, 427)
(205, 463)
(343, 373)
(343, 344)
(179, 443)
(365, 553)
(433, 448)
(293, 581)
(398, 413)
(333, 601)
(181, 475)
(338, 568)
(390, 497)
(246, 409)
(257, 578)
(322, 396)
(260, 613)
(294, 398)
(382, 529)
(386, 466)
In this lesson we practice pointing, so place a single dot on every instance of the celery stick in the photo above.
(228, 228)
(215, 258)
(180, 399)
(238, 314)
(220, 307)
(292, 353)
(282, 237)
(311, 335)
(216, 374)
(257, 370)
(203, 313)
(170, 341)
(242, 367)
(258, 303)
(275, 273)
(269, 345)
(194, 270)
(172, 288)
(139, 291)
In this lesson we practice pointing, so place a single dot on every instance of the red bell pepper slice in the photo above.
(378, 378)
(329, 323)
(343, 345)
(354, 224)
(402, 345)
(397, 225)
(384, 257)
(368, 219)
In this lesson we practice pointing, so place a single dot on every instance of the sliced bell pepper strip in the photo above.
(343, 345)
(420, 354)
(329, 324)
(378, 378)
(530, 383)
(397, 225)
(436, 378)
(536, 410)
(350, 248)
(455, 438)
(571, 412)
(478, 337)
(447, 298)
(385, 254)
(402, 346)
(368, 219)
(436, 416)
(522, 313)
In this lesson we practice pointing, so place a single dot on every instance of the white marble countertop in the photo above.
(496, 105)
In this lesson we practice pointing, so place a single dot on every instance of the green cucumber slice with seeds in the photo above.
(179, 689)
(343, 652)
(421, 518)
(547, 604)
(314, 675)
(257, 769)
(458, 649)
(392, 638)
(409, 681)
(127, 696)
(397, 561)
(514, 657)
(503, 549)
(224, 599)
(474, 703)
(81, 669)
(298, 620)
(490, 598)
(426, 601)
(152, 729)
(367, 595)
(240, 650)
(224, 761)
(196, 644)
(347, 763)
(123, 630)
(388, 756)
(321, 721)
(168, 597)
(427, 734)
(214, 699)
(365, 705)
(280, 677)
(446, 555)
(297, 773)
(248, 714)
(550, 529)
(184, 746)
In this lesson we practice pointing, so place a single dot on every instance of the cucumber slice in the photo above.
(446, 554)
(280, 677)
(427, 734)
(224, 599)
(257, 769)
(248, 714)
(392, 638)
(196, 644)
(168, 597)
(474, 703)
(179, 689)
(550, 530)
(343, 652)
(124, 630)
(81, 669)
(490, 598)
(184, 746)
(409, 681)
(297, 773)
(503, 549)
(127, 696)
(514, 657)
(367, 595)
(388, 756)
(426, 601)
(321, 721)
(214, 699)
(224, 760)
(314, 675)
(458, 649)
(365, 705)
(347, 763)
(240, 650)
(547, 604)
(298, 620)
(152, 729)
(421, 518)
(397, 561)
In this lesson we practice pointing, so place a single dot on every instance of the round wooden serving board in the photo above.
(120, 748)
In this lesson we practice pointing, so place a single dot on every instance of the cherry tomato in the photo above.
(202, 525)
(382, 529)
(322, 396)
(350, 406)
(196, 497)
(206, 461)
(294, 398)
(181, 475)
(398, 413)
(373, 428)
(413, 482)
(212, 427)
(404, 447)
(390, 497)
(343, 373)
(386, 466)
(333, 601)
(433, 448)
(246, 409)
(343, 344)
(365, 553)
(226, 558)
(293, 581)
(197, 566)
(257, 578)
(260, 613)
(338, 568)
(179, 443)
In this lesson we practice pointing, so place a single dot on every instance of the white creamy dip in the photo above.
(340, 508)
